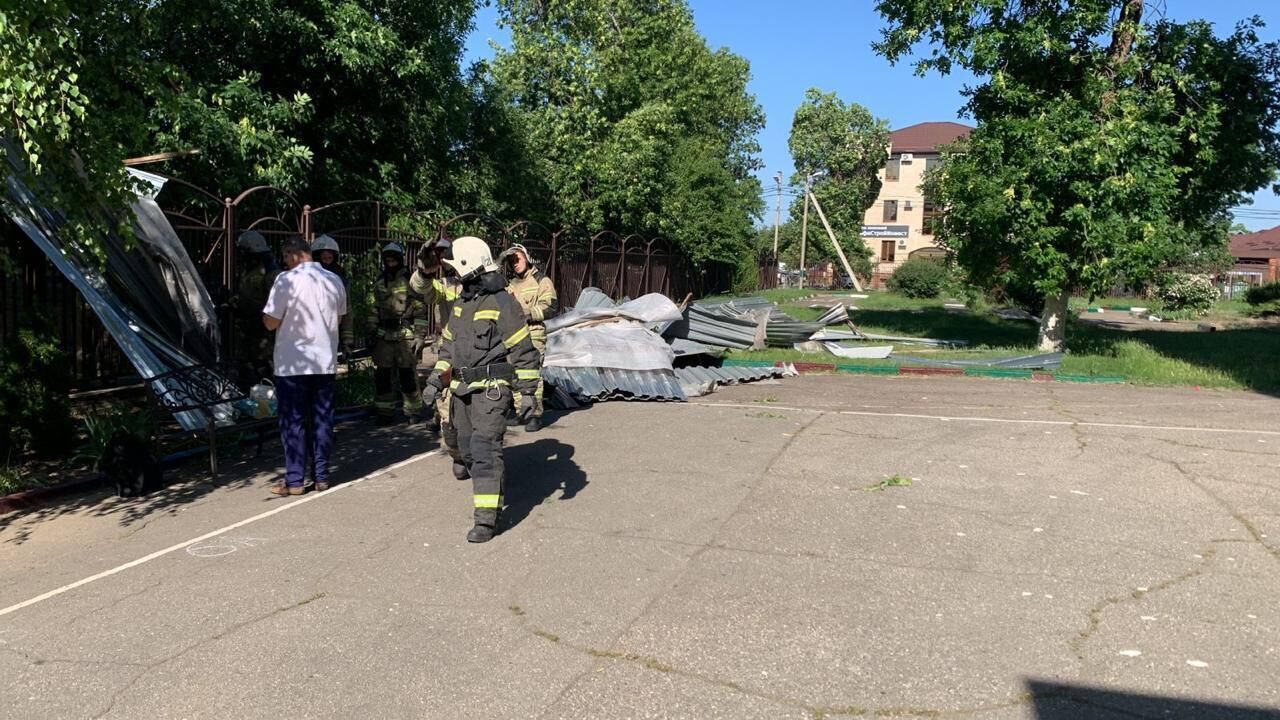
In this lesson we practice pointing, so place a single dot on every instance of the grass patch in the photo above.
(895, 481)
(778, 295)
(766, 415)
(1239, 357)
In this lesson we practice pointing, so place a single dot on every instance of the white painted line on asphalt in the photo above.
(214, 533)
(1014, 421)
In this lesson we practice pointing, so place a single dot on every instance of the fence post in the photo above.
(306, 224)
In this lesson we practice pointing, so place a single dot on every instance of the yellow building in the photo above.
(897, 226)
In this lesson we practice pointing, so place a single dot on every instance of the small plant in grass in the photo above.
(1186, 292)
(10, 481)
(895, 481)
(920, 278)
(101, 426)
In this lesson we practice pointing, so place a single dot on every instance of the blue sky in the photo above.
(827, 44)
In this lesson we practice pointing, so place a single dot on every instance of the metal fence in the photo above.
(573, 258)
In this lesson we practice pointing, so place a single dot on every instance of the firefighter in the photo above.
(325, 251)
(438, 293)
(258, 271)
(485, 353)
(537, 297)
(393, 312)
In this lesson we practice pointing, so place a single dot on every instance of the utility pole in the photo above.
(834, 243)
(777, 218)
(804, 231)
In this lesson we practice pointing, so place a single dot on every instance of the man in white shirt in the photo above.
(304, 309)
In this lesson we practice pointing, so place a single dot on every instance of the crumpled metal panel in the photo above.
(173, 376)
(591, 384)
(727, 375)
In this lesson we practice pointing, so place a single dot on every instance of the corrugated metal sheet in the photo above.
(595, 384)
(727, 375)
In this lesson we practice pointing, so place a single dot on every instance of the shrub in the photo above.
(1263, 294)
(920, 278)
(102, 425)
(1181, 291)
(34, 380)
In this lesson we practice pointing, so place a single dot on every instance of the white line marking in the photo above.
(214, 533)
(1014, 421)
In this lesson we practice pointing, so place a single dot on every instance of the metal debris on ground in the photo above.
(1047, 361)
(1016, 314)
(602, 351)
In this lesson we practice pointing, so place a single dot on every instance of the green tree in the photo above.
(636, 125)
(1110, 143)
(329, 99)
(846, 146)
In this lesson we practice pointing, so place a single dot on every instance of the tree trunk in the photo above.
(1053, 323)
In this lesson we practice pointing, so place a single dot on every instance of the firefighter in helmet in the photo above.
(325, 251)
(393, 313)
(439, 290)
(257, 272)
(485, 353)
(537, 297)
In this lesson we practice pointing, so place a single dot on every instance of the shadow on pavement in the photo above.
(1054, 701)
(535, 471)
(359, 449)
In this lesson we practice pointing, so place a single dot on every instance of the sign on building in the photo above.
(886, 231)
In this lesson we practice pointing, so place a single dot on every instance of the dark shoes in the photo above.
(534, 424)
(480, 534)
(322, 486)
(460, 470)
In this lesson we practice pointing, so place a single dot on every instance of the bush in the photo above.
(1181, 291)
(1263, 294)
(920, 278)
(34, 380)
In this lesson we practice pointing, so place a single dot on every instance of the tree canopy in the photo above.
(634, 123)
(847, 146)
(604, 115)
(1110, 145)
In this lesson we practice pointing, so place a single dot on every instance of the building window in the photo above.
(927, 224)
(893, 169)
(931, 163)
(890, 211)
(887, 250)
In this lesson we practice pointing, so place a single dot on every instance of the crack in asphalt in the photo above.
(1236, 515)
(762, 475)
(148, 667)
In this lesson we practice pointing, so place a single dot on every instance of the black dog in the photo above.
(127, 461)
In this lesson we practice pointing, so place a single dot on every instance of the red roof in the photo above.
(927, 137)
(1261, 244)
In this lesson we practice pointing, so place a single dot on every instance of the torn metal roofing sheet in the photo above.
(1047, 361)
(189, 389)
(727, 375)
(589, 384)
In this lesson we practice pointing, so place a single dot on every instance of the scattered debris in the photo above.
(602, 351)
(1016, 314)
(1047, 361)
(874, 352)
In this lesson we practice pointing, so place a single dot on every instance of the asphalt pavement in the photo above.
(820, 547)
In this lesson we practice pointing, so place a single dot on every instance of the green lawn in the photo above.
(1235, 358)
